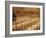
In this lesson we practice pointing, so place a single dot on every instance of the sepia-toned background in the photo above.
(25, 18)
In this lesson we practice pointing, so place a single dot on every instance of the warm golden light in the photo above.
(26, 18)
